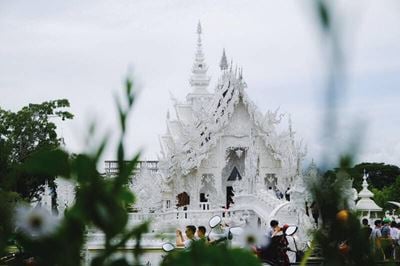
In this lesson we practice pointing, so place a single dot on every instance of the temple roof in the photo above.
(202, 118)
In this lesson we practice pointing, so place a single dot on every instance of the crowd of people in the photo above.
(385, 238)
(274, 248)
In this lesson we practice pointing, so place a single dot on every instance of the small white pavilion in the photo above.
(366, 205)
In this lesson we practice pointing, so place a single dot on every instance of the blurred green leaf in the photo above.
(202, 254)
(48, 162)
(127, 196)
(84, 168)
(323, 13)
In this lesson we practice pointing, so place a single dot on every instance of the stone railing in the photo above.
(111, 166)
(204, 206)
(179, 216)
(95, 240)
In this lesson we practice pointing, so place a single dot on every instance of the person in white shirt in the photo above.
(394, 231)
(376, 232)
(375, 237)
(180, 241)
(395, 235)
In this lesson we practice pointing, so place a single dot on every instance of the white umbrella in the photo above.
(395, 203)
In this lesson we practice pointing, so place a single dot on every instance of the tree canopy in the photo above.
(22, 134)
(380, 175)
(383, 180)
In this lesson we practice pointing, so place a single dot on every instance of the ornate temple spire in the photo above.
(365, 192)
(199, 79)
(224, 62)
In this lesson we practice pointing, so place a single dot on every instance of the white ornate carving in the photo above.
(147, 187)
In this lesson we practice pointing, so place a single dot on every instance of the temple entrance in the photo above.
(233, 171)
(229, 196)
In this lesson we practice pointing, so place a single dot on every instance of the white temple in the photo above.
(220, 155)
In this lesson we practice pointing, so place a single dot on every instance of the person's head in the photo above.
(201, 231)
(385, 232)
(393, 224)
(386, 221)
(378, 223)
(274, 223)
(365, 221)
(190, 231)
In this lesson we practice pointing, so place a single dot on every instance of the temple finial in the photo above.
(199, 79)
(365, 176)
(199, 28)
(224, 62)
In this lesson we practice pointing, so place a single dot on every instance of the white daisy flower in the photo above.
(35, 222)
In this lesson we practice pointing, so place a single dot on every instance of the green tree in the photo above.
(381, 197)
(395, 190)
(380, 174)
(389, 193)
(22, 134)
(383, 180)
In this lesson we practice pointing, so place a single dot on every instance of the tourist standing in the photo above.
(274, 226)
(395, 234)
(201, 234)
(386, 240)
(366, 229)
(190, 231)
(315, 212)
(375, 237)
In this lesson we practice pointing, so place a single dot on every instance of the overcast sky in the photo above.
(82, 50)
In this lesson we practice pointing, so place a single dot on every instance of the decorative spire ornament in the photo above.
(224, 62)
(199, 80)
(199, 28)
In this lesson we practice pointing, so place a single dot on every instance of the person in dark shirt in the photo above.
(201, 233)
(366, 229)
